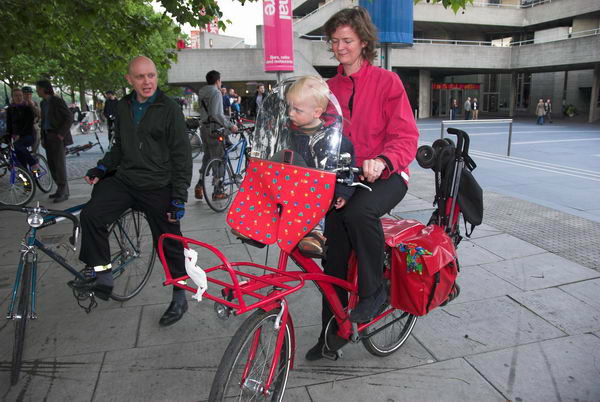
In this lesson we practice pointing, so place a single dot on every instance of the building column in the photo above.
(594, 107)
(424, 94)
(513, 95)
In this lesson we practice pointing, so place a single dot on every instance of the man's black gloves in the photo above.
(99, 172)
(176, 209)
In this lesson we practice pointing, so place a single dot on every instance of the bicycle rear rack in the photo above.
(239, 290)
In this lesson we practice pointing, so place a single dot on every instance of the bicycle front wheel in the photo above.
(20, 319)
(218, 181)
(195, 142)
(243, 371)
(392, 337)
(132, 254)
(43, 177)
(16, 186)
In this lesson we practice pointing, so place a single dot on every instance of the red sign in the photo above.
(455, 86)
(278, 36)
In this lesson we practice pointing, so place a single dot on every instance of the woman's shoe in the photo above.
(316, 352)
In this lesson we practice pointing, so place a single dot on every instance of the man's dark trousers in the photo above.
(110, 198)
(55, 153)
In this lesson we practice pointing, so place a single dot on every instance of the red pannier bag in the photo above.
(424, 268)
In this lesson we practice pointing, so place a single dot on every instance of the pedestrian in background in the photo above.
(19, 125)
(110, 112)
(540, 111)
(467, 108)
(475, 108)
(56, 135)
(454, 109)
(226, 101)
(28, 96)
(257, 99)
(548, 109)
(212, 118)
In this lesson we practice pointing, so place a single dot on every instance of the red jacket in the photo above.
(381, 123)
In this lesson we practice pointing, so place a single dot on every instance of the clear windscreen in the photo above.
(300, 115)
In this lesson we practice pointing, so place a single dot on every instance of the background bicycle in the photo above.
(17, 182)
(193, 132)
(223, 176)
(132, 258)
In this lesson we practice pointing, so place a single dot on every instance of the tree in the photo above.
(455, 5)
(86, 44)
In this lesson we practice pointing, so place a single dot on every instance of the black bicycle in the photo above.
(221, 180)
(132, 259)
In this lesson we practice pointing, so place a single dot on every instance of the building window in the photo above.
(523, 90)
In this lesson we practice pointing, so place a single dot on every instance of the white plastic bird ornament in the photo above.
(195, 272)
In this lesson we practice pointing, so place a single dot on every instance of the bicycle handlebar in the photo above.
(49, 217)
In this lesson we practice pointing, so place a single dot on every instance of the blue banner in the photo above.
(393, 18)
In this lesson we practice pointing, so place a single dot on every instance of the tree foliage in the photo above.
(87, 44)
(455, 5)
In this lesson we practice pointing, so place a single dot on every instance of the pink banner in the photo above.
(278, 36)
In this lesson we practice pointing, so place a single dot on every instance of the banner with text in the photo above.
(278, 36)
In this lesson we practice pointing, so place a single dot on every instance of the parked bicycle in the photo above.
(132, 258)
(223, 176)
(193, 132)
(279, 202)
(17, 182)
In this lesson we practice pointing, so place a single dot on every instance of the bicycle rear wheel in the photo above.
(245, 366)
(43, 177)
(20, 319)
(195, 142)
(218, 182)
(16, 186)
(391, 338)
(132, 254)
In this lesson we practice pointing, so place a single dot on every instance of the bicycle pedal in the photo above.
(332, 355)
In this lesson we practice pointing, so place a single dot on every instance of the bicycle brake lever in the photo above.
(359, 184)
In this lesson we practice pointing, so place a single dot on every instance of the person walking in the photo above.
(548, 110)
(28, 96)
(56, 135)
(454, 110)
(540, 111)
(110, 112)
(467, 108)
(475, 109)
(149, 168)
(210, 100)
(257, 99)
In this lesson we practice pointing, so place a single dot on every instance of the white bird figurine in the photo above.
(195, 272)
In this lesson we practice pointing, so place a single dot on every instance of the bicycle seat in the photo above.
(395, 231)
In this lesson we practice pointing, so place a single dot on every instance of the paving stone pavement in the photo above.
(526, 326)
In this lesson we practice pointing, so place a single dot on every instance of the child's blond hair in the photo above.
(310, 86)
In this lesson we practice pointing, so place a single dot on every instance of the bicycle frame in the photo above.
(243, 284)
(31, 244)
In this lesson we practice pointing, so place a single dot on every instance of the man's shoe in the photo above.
(61, 197)
(316, 352)
(368, 307)
(89, 283)
(199, 192)
(173, 313)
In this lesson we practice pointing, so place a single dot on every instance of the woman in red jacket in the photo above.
(380, 125)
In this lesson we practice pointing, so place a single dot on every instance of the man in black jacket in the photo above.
(257, 99)
(56, 135)
(152, 163)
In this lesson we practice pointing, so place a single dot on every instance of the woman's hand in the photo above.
(372, 169)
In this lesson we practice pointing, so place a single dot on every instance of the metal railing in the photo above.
(518, 6)
(446, 123)
(324, 6)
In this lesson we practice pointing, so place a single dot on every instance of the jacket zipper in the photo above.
(351, 101)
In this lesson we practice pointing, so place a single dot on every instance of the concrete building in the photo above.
(507, 53)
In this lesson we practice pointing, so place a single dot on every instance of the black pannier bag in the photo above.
(470, 198)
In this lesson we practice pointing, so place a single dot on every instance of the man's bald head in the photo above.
(137, 60)
(142, 76)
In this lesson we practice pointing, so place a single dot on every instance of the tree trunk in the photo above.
(82, 101)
